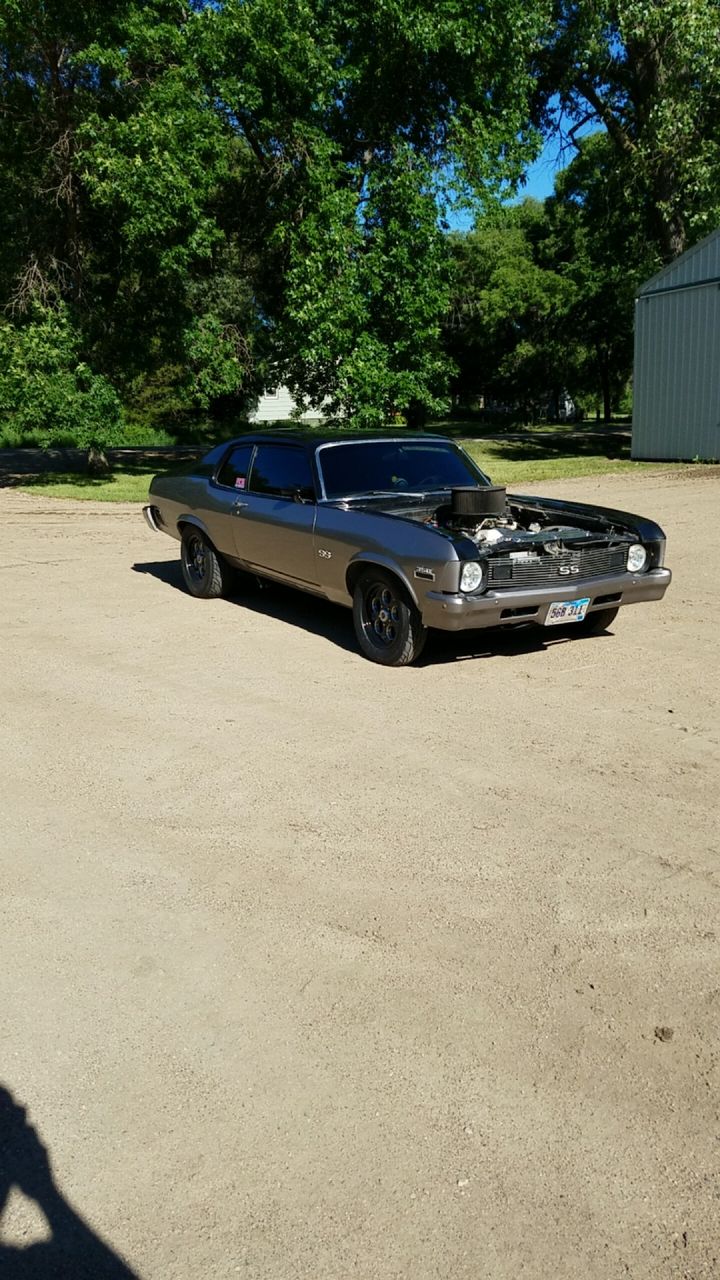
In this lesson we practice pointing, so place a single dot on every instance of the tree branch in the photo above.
(619, 135)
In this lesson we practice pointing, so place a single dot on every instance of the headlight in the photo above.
(471, 576)
(637, 558)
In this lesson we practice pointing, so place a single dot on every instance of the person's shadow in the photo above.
(74, 1251)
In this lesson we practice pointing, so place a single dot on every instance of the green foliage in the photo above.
(198, 201)
(599, 242)
(508, 326)
(543, 297)
(212, 359)
(648, 71)
(138, 435)
(366, 291)
(223, 192)
(356, 117)
(48, 394)
(113, 177)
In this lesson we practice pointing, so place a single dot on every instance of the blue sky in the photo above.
(541, 175)
(555, 155)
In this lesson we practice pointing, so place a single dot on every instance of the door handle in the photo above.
(238, 506)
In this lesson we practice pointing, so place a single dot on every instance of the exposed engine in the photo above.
(485, 515)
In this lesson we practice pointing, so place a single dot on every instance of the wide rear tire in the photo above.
(388, 625)
(205, 575)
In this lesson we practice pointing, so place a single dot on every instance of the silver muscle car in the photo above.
(408, 531)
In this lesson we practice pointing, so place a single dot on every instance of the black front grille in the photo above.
(546, 570)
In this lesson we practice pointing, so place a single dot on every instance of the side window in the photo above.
(280, 471)
(234, 469)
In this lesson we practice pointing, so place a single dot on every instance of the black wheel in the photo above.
(204, 573)
(388, 626)
(593, 623)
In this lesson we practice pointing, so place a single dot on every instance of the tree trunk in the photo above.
(607, 407)
(416, 415)
(604, 372)
(97, 462)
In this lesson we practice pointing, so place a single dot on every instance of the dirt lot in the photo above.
(311, 969)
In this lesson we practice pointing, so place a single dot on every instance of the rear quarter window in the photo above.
(234, 470)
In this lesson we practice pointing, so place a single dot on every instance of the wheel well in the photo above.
(182, 525)
(359, 567)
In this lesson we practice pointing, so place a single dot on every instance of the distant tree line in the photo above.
(199, 200)
(543, 296)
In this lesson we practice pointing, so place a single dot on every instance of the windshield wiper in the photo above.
(387, 493)
(393, 493)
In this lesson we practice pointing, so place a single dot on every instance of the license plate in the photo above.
(566, 611)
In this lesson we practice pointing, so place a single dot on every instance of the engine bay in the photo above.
(495, 534)
(502, 525)
(513, 528)
(497, 524)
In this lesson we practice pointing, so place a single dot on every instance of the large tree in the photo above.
(116, 178)
(648, 71)
(358, 116)
(207, 186)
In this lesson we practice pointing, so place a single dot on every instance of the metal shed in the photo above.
(676, 391)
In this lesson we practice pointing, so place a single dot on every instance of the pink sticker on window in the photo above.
(239, 482)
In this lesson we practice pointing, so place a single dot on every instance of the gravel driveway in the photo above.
(311, 969)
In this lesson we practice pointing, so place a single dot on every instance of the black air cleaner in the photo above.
(480, 503)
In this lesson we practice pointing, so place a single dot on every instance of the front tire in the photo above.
(388, 625)
(205, 575)
(593, 623)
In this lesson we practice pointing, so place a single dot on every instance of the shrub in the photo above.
(48, 395)
(138, 435)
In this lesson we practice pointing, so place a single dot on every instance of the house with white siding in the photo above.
(278, 406)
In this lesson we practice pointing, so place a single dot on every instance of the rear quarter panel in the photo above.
(187, 495)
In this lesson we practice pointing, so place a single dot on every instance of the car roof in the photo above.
(312, 440)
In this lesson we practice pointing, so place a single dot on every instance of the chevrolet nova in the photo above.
(408, 532)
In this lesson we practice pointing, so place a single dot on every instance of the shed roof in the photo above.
(699, 265)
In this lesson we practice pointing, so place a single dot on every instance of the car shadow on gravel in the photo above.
(272, 600)
(73, 1251)
(501, 642)
(334, 623)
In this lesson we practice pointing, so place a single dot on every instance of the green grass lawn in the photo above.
(514, 463)
(121, 486)
(538, 455)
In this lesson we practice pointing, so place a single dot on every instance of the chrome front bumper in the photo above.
(459, 612)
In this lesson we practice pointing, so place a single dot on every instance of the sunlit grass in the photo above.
(500, 462)
(120, 486)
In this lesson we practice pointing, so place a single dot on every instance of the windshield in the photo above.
(394, 466)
